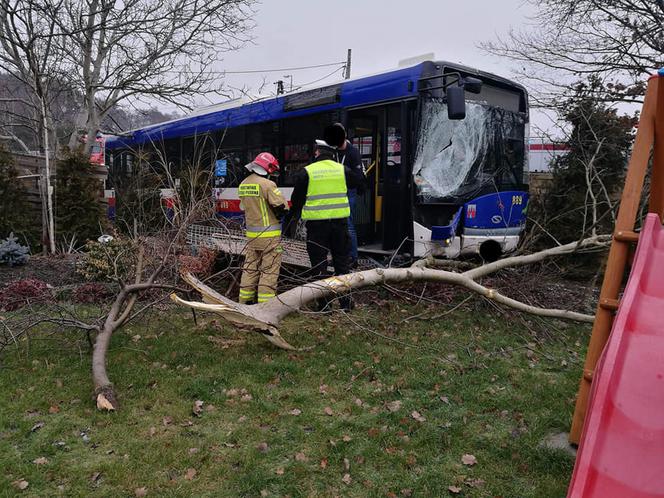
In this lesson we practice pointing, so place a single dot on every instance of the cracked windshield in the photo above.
(475, 155)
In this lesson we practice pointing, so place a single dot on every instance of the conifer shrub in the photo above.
(12, 253)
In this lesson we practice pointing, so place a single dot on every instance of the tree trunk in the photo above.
(104, 392)
(266, 317)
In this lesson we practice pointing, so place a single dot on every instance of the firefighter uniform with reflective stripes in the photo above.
(321, 196)
(261, 201)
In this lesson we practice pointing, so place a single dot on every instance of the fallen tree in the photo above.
(266, 317)
(156, 269)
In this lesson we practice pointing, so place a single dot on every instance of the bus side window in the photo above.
(235, 170)
(297, 137)
(295, 157)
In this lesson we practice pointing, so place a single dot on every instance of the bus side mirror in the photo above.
(456, 96)
(456, 102)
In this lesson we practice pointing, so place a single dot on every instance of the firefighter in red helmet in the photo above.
(263, 206)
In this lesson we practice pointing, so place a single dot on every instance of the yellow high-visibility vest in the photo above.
(327, 197)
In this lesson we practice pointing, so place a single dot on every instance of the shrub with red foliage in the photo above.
(20, 293)
(91, 293)
(201, 264)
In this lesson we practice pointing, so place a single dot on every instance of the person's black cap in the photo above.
(335, 134)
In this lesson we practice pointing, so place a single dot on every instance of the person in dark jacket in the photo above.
(320, 197)
(349, 156)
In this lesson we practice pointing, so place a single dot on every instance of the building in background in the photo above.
(542, 151)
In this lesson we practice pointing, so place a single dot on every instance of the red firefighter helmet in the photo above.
(265, 162)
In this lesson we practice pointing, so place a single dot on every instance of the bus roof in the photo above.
(390, 85)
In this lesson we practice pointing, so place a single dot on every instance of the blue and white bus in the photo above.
(444, 147)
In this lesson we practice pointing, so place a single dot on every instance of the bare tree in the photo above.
(146, 49)
(581, 198)
(620, 42)
(28, 52)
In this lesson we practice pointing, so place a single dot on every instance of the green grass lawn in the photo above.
(380, 407)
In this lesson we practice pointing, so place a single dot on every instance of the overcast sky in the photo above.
(292, 33)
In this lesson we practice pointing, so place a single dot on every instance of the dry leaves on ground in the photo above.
(190, 474)
(347, 479)
(295, 411)
(454, 489)
(21, 484)
(394, 406)
(40, 461)
(468, 459)
(140, 492)
(262, 447)
(198, 407)
(418, 416)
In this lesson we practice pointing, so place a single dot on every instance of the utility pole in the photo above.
(347, 73)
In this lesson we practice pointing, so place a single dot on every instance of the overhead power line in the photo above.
(273, 70)
(284, 69)
(321, 79)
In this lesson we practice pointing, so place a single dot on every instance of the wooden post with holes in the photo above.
(656, 204)
(649, 134)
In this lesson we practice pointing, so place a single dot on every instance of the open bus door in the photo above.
(363, 134)
(364, 126)
(383, 213)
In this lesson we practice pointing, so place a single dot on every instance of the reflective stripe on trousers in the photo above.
(265, 296)
(263, 232)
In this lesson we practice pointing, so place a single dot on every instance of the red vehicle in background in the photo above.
(97, 152)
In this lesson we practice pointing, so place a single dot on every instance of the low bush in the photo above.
(20, 293)
(201, 263)
(108, 261)
(91, 293)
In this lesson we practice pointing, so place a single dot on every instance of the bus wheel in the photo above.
(490, 251)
